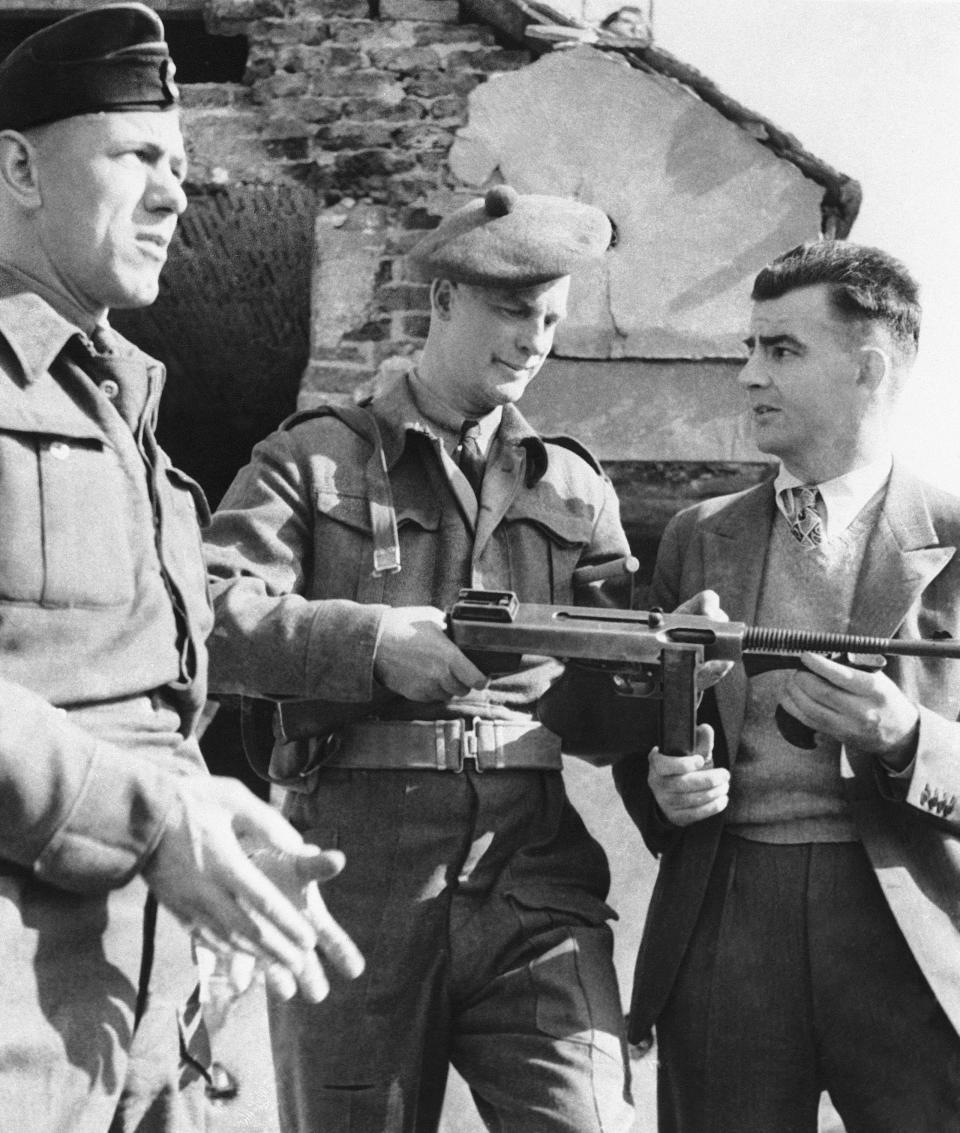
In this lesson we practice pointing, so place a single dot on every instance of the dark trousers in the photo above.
(478, 902)
(798, 980)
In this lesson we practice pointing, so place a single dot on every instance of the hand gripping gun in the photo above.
(647, 653)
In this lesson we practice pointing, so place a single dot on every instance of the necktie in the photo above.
(805, 522)
(469, 456)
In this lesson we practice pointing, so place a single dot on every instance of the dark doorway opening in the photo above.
(232, 326)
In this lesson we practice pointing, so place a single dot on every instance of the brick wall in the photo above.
(360, 107)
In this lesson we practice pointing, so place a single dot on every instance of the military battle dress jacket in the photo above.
(102, 601)
(290, 551)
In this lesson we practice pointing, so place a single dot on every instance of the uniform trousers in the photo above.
(478, 900)
(798, 980)
(99, 1029)
(95, 1036)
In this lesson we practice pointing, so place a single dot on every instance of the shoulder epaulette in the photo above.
(354, 416)
(575, 446)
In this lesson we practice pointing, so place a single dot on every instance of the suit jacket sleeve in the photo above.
(934, 784)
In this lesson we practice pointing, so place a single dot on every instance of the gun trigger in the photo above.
(628, 684)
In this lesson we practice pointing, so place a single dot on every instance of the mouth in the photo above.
(763, 411)
(523, 368)
(153, 244)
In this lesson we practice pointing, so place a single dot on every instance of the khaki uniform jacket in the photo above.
(290, 550)
(103, 616)
(97, 604)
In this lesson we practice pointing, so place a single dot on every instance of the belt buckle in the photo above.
(470, 745)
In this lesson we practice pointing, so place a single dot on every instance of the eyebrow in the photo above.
(767, 340)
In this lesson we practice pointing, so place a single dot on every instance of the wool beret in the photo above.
(108, 58)
(511, 239)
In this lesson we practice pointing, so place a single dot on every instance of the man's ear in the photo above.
(874, 368)
(441, 297)
(18, 169)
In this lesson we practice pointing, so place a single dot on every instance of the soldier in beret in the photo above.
(112, 836)
(472, 886)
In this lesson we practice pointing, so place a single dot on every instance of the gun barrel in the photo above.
(759, 639)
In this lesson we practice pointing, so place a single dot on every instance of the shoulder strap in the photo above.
(383, 515)
(575, 446)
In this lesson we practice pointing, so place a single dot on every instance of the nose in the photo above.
(753, 374)
(536, 337)
(166, 193)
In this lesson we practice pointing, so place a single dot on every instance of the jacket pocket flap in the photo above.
(425, 515)
(568, 522)
(44, 409)
(351, 510)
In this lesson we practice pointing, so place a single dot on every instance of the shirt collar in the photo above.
(446, 424)
(398, 412)
(844, 497)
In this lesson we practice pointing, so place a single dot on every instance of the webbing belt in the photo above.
(437, 745)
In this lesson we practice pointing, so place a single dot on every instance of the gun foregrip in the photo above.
(799, 734)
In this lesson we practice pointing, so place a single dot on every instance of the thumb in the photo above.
(319, 866)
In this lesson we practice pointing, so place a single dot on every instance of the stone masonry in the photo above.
(360, 106)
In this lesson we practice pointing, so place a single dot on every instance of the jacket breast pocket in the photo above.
(65, 521)
(343, 551)
(545, 546)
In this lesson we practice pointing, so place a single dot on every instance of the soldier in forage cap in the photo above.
(472, 885)
(112, 837)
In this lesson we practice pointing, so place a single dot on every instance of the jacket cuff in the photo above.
(341, 646)
(116, 821)
(935, 784)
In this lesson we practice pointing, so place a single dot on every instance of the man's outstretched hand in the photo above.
(202, 872)
(299, 878)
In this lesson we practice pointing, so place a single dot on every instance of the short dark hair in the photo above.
(866, 285)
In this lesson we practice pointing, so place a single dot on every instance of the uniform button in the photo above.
(59, 450)
(109, 388)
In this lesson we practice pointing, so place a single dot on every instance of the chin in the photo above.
(129, 298)
(508, 392)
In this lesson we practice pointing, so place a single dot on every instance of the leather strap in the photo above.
(437, 745)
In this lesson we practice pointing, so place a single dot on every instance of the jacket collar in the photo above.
(398, 417)
(35, 332)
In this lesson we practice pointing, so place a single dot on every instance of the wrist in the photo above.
(899, 757)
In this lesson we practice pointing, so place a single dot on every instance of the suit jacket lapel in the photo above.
(902, 555)
(734, 554)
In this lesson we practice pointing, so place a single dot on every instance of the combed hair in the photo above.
(865, 285)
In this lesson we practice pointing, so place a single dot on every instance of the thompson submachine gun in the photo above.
(648, 653)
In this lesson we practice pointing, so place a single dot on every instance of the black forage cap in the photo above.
(113, 57)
